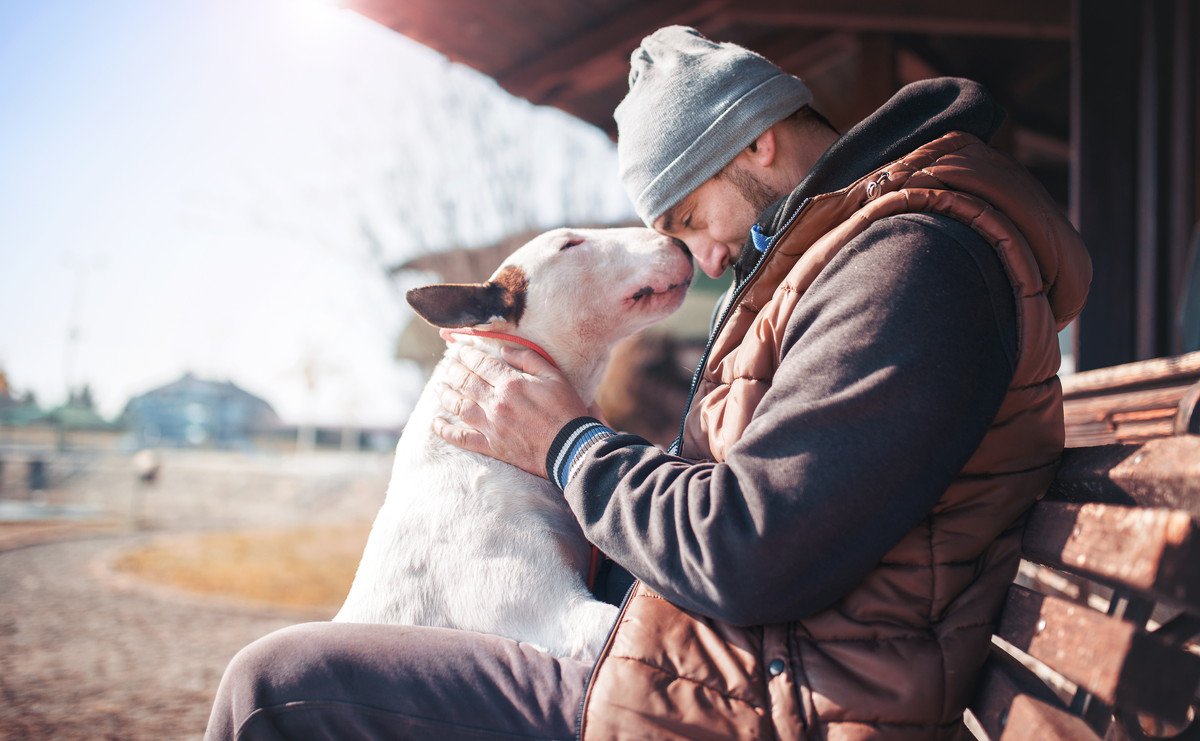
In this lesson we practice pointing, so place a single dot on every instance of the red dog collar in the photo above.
(508, 338)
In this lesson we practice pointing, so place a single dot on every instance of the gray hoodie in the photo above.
(894, 363)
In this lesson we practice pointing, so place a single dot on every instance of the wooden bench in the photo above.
(1100, 633)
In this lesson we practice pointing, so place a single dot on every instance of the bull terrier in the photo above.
(466, 541)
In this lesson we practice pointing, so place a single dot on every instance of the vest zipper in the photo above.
(677, 446)
(587, 693)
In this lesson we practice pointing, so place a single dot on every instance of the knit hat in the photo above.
(692, 105)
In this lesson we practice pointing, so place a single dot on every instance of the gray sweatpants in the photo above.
(345, 680)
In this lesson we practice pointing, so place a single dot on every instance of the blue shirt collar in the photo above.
(761, 241)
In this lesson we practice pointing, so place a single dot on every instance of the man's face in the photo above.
(714, 220)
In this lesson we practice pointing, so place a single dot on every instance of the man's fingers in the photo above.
(496, 371)
(528, 361)
(465, 381)
(488, 367)
(451, 401)
(462, 437)
(460, 406)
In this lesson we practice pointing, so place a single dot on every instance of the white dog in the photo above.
(465, 541)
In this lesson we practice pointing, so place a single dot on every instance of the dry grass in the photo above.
(305, 569)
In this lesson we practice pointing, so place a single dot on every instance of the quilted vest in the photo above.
(896, 658)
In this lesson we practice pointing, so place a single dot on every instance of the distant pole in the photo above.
(146, 464)
(74, 331)
(75, 317)
(306, 441)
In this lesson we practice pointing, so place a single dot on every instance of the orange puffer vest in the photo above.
(898, 656)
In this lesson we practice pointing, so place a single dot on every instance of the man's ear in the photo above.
(453, 305)
(762, 150)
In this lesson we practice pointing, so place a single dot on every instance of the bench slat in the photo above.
(1013, 704)
(1113, 659)
(1177, 370)
(1159, 473)
(1124, 514)
(1151, 551)
(1128, 417)
(1133, 402)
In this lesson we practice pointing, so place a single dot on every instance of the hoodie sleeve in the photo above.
(894, 364)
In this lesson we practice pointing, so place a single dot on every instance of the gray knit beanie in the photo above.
(692, 105)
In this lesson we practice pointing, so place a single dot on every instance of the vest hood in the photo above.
(918, 113)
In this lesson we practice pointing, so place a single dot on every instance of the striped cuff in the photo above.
(569, 445)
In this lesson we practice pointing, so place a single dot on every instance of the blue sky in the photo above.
(180, 182)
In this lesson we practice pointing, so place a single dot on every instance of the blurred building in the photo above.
(194, 412)
(78, 413)
(17, 409)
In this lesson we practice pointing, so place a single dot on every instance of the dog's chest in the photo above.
(460, 533)
(473, 497)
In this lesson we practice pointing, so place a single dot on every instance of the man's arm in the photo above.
(894, 364)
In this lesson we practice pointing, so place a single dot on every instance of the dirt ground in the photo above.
(81, 658)
(87, 652)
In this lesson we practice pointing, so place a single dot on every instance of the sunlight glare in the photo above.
(311, 17)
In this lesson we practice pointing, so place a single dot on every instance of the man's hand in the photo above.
(510, 410)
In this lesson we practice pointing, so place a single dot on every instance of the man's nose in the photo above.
(710, 256)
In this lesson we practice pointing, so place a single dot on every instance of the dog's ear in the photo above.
(453, 305)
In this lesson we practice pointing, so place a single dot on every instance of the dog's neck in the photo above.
(509, 338)
(583, 363)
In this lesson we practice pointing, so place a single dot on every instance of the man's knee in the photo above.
(271, 671)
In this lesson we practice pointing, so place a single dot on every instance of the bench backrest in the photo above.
(1098, 636)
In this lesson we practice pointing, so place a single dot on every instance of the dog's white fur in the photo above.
(465, 541)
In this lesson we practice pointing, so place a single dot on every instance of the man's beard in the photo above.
(757, 193)
(760, 196)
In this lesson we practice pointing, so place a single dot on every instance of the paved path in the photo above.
(82, 659)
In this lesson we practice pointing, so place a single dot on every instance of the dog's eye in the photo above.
(571, 243)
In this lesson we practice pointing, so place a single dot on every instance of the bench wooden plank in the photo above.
(1159, 473)
(1113, 659)
(1122, 514)
(1133, 402)
(1012, 703)
(1151, 551)
(1130, 417)
(1177, 370)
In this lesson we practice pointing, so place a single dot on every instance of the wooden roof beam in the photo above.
(589, 60)
(815, 58)
(1024, 19)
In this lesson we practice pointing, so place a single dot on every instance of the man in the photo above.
(826, 550)
(823, 552)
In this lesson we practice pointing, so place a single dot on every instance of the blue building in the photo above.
(193, 412)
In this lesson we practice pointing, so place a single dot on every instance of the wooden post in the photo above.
(1104, 102)
(1183, 211)
(1133, 179)
(1153, 144)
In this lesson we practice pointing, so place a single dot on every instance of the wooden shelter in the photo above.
(1102, 99)
(1103, 109)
